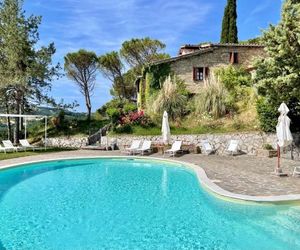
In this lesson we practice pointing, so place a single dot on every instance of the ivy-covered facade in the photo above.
(194, 64)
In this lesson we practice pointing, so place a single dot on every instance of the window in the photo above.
(234, 57)
(200, 74)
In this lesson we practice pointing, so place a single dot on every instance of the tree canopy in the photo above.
(81, 67)
(135, 53)
(26, 71)
(140, 52)
(278, 74)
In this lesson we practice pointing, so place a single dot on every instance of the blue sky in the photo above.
(102, 26)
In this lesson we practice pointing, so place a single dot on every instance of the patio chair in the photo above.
(296, 171)
(104, 142)
(134, 146)
(9, 146)
(2, 149)
(26, 145)
(146, 147)
(176, 147)
(233, 147)
(206, 147)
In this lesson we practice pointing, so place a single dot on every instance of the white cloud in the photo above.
(102, 26)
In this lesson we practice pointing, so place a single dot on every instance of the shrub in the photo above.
(59, 121)
(267, 115)
(123, 129)
(268, 147)
(114, 114)
(212, 98)
(171, 99)
(136, 118)
(233, 77)
(238, 83)
(129, 107)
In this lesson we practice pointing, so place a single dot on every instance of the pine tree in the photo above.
(26, 71)
(229, 27)
(278, 73)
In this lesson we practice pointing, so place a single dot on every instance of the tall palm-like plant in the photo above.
(212, 98)
(170, 99)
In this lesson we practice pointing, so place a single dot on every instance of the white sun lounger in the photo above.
(26, 145)
(9, 146)
(233, 147)
(146, 147)
(2, 149)
(176, 147)
(134, 146)
(206, 147)
(104, 142)
(296, 171)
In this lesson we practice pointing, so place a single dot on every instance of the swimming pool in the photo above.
(131, 204)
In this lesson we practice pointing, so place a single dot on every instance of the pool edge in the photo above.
(202, 177)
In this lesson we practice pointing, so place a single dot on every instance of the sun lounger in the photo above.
(206, 147)
(9, 146)
(26, 145)
(296, 171)
(2, 149)
(233, 147)
(146, 147)
(134, 146)
(104, 142)
(176, 147)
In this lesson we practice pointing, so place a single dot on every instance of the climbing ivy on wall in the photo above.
(159, 74)
(153, 78)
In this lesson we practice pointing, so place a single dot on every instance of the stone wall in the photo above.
(217, 57)
(249, 142)
(67, 142)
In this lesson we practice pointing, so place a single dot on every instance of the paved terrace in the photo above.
(247, 175)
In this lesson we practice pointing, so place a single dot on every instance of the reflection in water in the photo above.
(164, 182)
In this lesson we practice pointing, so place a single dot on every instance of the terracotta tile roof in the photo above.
(203, 48)
(220, 45)
(172, 59)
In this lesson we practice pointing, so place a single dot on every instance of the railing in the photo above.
(93, 139)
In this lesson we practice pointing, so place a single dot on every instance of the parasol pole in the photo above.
(278, 160)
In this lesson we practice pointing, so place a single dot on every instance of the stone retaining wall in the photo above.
(249, 142)
(67, 142)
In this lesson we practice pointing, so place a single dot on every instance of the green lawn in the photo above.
(12, 155)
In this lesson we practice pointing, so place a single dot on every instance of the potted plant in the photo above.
(267, 151)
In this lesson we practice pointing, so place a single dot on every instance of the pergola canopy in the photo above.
(23, 116)
(28, 117)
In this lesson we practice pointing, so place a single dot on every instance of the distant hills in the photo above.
(47, 111)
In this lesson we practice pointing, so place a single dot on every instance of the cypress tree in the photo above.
(229, 27)
(225, 26)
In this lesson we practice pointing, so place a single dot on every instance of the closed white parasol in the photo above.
(284, 135)
(165, 130)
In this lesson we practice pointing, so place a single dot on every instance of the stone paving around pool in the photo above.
(248, 175)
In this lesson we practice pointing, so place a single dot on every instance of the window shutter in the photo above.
(231, 57)
(236, 57)
(194, 74)
(206, 72)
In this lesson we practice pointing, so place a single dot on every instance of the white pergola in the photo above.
(26, 118)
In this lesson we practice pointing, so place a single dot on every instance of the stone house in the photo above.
(195, 63)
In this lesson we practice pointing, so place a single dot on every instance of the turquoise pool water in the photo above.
(131, 204)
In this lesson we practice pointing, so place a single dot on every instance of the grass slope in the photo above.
(11, 155)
